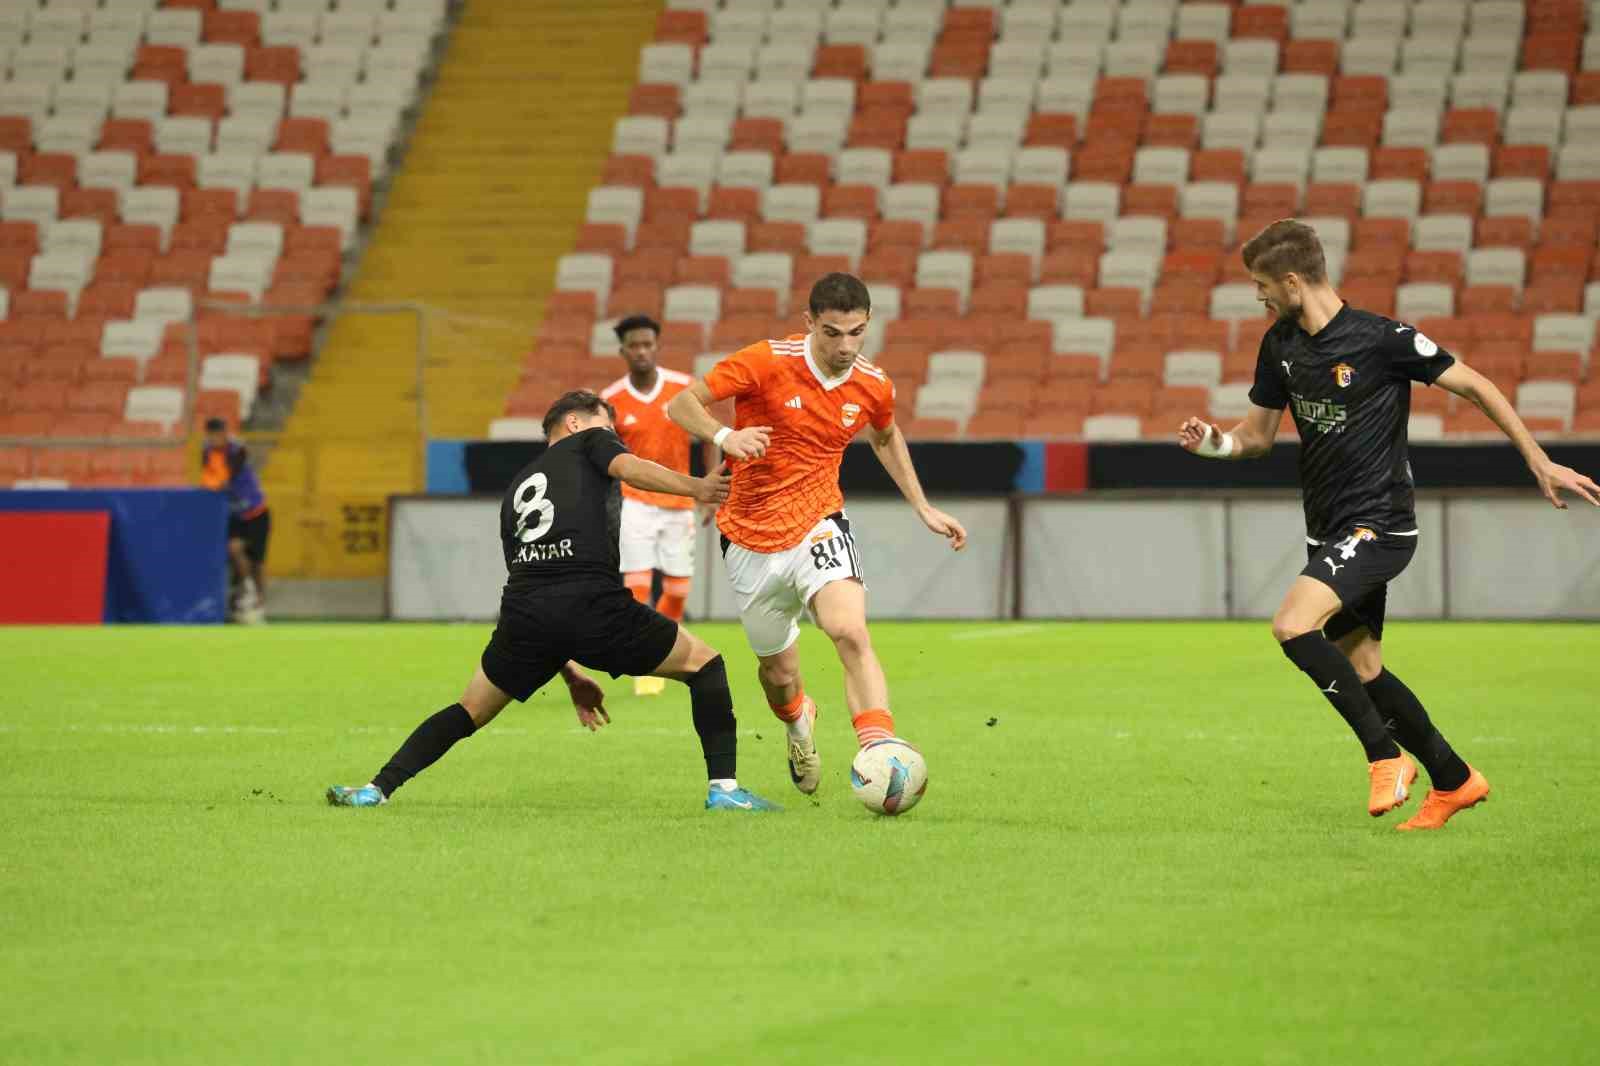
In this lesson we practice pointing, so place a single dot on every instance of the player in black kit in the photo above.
(1346, 376)
(564, 604)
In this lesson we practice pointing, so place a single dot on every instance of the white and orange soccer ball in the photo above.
(889, 776)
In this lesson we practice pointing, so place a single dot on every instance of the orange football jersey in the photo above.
(776, 500)
(644, 427)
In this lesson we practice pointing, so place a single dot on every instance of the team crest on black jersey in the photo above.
(848, 413)
(1344, 374)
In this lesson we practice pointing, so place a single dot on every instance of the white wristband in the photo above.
(1223, 450)
(721, 435)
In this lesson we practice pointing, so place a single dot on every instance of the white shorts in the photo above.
(773, 590)
(657, 538)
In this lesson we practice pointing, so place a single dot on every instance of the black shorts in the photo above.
(254, 533)
(600, 627)
(1358, 565)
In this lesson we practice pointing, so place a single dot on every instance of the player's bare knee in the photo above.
(1366, 657)
(851, 640)
(700, 653)
(1288, 624)
(777, 673)
(481, 707)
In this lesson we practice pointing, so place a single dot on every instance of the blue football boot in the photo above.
(736, 799)
(355, 796)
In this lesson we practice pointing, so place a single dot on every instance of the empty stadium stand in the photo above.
(1048, 198)
(154, 157)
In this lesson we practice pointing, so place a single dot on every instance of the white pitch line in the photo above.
(169, 729)
(990, 632)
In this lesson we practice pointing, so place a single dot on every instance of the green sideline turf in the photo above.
(1141, 843)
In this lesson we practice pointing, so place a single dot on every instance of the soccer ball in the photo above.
(889, 776)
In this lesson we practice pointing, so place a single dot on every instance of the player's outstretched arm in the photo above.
(690, 410)
(653, 477)
(1251, 438)
(1552, 477)
(889, 445)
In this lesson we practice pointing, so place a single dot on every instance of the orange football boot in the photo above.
(1391, 783)
(1439, 807)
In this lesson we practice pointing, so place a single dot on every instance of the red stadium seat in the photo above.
(1191, 57)
(1309, 56)
(1497, 298)
(1261, 20)
(896, 233)
(734, 202)
(1217, 164)
(655, 99)
(1032, 201)
(635, 170)
(850, 201)
(921, 165)
(1389, 162)
(682, 27)
(49, 168)
(1114, 302)
(1521, 161)
(1515, 231)
(999, 298)
(1470, 126)
(231, 27)
(802, 168)
(840, 61)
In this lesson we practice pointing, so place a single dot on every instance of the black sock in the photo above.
(425, 746)
(1331, 672)
(712, 705)
(1411, 726)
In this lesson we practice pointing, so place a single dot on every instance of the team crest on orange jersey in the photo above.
(849, 413)
(1344, 374)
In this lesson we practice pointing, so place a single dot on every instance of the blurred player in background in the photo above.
(225, 467)
(658, 528)
(786, 542)
(564, 604)
(1346, 375)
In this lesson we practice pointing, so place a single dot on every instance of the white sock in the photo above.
(800, 728)
(724, 784)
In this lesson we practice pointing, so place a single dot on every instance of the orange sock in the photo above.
(875, 723)
(638, 582)
(789, 712)
(674, 596)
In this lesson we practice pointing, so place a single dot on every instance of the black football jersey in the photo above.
(1349, 390)
(559, 520)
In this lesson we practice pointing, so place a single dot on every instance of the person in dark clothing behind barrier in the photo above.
(225, 467)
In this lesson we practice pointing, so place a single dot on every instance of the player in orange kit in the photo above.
(786, 541)
(657, 529)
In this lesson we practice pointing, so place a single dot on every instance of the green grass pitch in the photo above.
(1158, 852)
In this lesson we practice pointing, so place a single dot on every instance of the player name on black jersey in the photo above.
(543, 553)
(1349, 390)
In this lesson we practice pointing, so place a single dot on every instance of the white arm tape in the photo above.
(721, 435)
(1224, 450)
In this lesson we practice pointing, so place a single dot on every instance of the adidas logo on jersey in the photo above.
(795, 403)
(630, 420)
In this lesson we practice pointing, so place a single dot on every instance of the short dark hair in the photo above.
(839, 292)
(633, 322)
(216, 425)
(576, 400)
(1286, 247)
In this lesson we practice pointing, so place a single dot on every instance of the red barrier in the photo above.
(1066, 467)
(54, 566)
